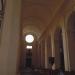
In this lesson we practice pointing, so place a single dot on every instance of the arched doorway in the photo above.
(71, 39)
(59, 52)
(26, 51)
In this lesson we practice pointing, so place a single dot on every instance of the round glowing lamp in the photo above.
(29, 38)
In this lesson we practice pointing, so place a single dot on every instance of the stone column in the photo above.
(66, 50)
(10, 38)
(46, 56)
(53, 47)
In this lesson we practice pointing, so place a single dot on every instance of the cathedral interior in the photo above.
(37, 37)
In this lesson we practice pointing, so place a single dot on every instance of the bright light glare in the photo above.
(29, 38)
(29, 47)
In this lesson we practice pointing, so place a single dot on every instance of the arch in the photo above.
(71, 39)
(59, 52)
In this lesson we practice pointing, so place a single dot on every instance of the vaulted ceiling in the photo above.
(37, 14)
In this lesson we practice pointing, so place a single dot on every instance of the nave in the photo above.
(51, 23)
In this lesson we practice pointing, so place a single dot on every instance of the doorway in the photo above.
(29, 58)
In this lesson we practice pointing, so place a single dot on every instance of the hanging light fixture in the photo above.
(29, 38)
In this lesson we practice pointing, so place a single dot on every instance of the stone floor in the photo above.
(27, 71)
(30, 71)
